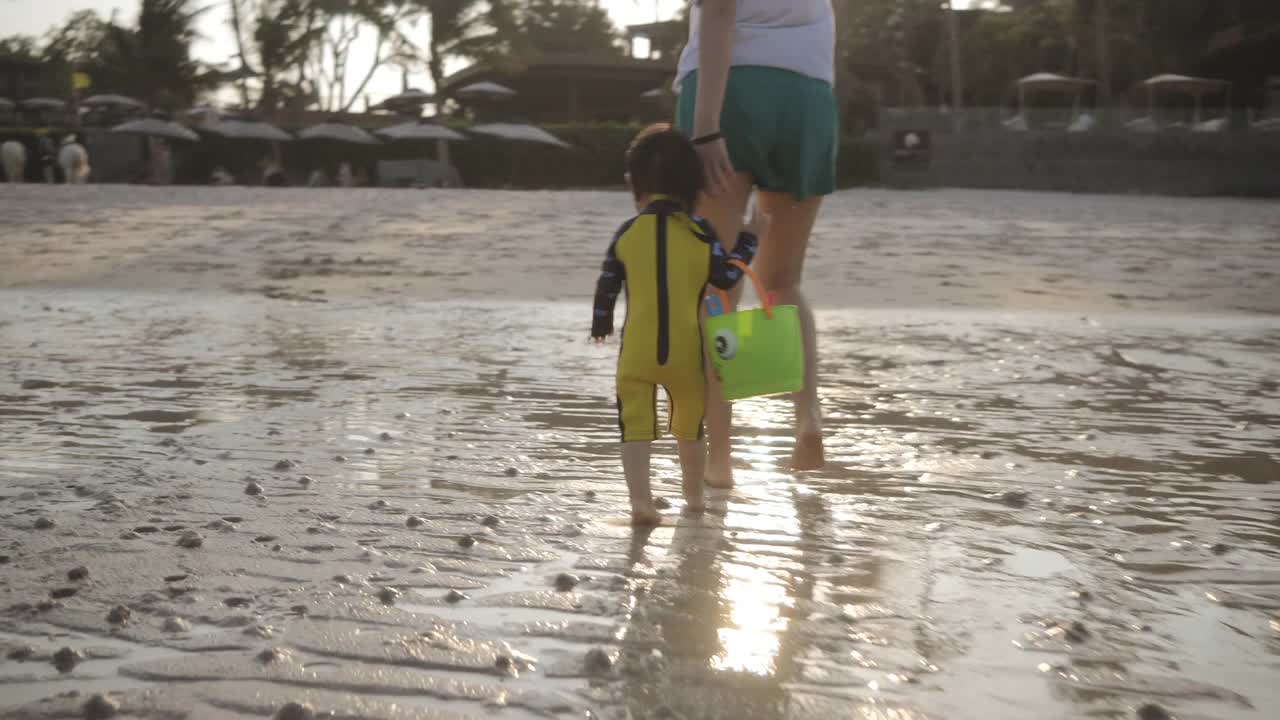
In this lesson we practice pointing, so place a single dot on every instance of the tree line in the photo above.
(1115, 42)
(301, 54)
(296, 54)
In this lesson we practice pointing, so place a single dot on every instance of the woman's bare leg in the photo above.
(724, 212)
(780, 265)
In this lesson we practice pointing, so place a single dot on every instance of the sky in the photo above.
(35, 17)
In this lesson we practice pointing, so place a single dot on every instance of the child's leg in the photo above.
(687, 398)
(638, 419)
(693, 468)
(635, 465)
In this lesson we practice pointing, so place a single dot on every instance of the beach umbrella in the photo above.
(248, 130)
(424, 130)
(1196, 87)
(485, 89)
(42, 103)
(337, 132)
(200, 111)
(411, 98)
(112, 100)
(155, 127)
(521, 133)
(1055, 83)
(420, 130)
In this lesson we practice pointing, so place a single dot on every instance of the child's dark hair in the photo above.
(662, 161)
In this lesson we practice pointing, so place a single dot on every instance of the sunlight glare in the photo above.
(751, 642)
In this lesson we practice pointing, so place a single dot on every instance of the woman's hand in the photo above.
(717, 168)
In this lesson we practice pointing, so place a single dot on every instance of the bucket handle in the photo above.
(766, 299)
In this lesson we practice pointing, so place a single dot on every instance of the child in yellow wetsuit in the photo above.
(665, 256)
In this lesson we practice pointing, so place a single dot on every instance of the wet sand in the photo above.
(351, 450)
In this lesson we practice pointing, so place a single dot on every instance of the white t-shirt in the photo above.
(795, 35)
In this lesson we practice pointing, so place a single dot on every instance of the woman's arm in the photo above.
(715, 51)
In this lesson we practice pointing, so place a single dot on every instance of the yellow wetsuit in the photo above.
(665, 258)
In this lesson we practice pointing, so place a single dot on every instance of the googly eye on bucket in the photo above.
(726, 344)
(758, 351)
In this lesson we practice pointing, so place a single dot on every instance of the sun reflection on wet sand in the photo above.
(757, 587)
(750, 642)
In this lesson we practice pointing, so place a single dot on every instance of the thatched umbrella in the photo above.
(411, 100)
(155, 127)
(42, 103)
(521, 133)
(248, 130)
(486, 89)
(424, 130)
(113, 101)
(338, 132)
(420, 130)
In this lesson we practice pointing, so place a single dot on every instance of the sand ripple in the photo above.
(1032, 509)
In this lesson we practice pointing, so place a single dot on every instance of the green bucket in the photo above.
(756, 352)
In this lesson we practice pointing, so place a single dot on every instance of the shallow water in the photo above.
(1029, 510)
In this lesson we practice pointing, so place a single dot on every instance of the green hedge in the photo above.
(594, 161)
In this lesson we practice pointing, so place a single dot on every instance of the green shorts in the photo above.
(781, 127)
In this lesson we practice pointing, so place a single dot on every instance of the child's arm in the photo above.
(724, 274)
(612, 276)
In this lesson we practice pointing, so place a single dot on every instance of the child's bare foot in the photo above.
(648, 517)
(808, 453)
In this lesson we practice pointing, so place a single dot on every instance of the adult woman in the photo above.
(755, 83)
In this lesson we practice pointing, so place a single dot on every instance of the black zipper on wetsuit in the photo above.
(664, 302)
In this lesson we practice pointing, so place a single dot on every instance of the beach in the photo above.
(352, 449)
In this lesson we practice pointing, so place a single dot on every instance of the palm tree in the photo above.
(460, 28)
(153, 60)
(284, 33)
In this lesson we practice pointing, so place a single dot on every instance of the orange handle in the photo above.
(765, 299)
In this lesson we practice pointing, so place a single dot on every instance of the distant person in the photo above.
(272, 173)
(47, 152)
(161, 162)
(14, 156)
(318, 178)
(664, 257)
(345, 178)
(73, 158)
(221, 177)
(755, 94)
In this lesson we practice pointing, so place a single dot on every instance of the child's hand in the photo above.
(758, 225)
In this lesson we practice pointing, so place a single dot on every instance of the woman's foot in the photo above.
(694, 503)
(809, 453)
(648, 517)
(720, 478)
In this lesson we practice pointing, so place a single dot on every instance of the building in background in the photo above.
(567, 88)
